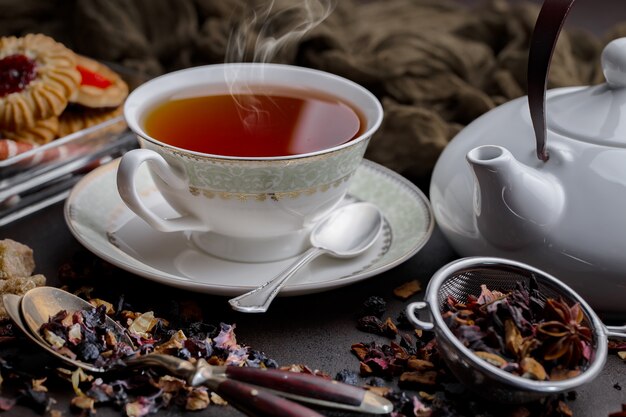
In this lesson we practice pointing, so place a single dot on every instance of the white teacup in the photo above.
(249, 209)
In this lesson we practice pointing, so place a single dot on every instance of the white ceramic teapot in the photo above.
(560, 207)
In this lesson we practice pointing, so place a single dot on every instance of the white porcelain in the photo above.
(244, 209)
(492, 196)
(97, 217)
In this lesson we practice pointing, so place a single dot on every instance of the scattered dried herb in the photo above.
(523, 332)
(373, 306)
(372, 324)
(86, 336)
(408, 289)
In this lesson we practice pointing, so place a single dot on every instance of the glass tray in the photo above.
(43, 175)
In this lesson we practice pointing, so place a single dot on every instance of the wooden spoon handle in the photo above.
(260, 403)
(314, 388)
(542, 43)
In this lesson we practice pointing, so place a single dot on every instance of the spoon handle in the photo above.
(259, 299)
(260, 403)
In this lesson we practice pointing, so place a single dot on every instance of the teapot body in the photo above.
(580, 239)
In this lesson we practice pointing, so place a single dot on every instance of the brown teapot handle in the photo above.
(542, 43)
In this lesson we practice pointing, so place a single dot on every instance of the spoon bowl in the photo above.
(347, 232)
(12, 305)
(41, 303)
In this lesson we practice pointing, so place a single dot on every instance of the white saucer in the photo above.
(99, 219)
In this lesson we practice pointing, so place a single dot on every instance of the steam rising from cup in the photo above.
(267, 31)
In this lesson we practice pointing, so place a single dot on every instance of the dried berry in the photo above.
(347, 376)
(373, 306)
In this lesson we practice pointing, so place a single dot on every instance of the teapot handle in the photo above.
(542, 43)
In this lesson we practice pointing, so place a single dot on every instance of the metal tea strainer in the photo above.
(464, 277)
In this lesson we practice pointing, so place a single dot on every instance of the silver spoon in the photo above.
(347, 232)
(239, 385)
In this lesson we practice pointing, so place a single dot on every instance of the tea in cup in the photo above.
(250, 155)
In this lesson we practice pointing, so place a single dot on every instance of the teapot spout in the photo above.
(514, 204)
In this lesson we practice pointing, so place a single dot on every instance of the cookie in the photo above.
(37, 78)
(100, 86)
(42, 132)
(76, 118)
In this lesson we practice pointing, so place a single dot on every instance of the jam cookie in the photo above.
(37, 77)
(100, 86)
(42, 132)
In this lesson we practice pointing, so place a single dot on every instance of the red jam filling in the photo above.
(16, 72)
(92, 78)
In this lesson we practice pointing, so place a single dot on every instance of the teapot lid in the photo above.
(594, 114)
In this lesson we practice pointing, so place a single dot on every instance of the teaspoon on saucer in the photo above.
(253, 390)
(347, 232)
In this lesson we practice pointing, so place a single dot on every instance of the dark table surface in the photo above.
(317, 330)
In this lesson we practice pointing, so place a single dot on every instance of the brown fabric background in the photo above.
(436, 65)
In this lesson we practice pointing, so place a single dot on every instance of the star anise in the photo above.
(565, 338)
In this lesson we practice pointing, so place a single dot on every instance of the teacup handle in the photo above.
(126, 172)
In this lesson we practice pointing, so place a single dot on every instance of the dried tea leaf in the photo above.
(198, 399)
(382, 391)
(564, 409)
(365, 369)
(38, 385)
(512, 338)
(217, 400)
(171, 384)
(408, 289)
(427, 396)
(559, 373)
(532, 369)
(174, 344)
(96, 302)
(419, 364)
(418, 378)
(492, 358)
(389, 328)
(360, 350)
(83, 402)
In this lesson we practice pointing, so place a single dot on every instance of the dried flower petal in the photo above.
(55, 341)
(143, 323)
(171, 384)
(419, 409)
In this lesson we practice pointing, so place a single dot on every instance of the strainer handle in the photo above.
(618, 332)
(410, 312)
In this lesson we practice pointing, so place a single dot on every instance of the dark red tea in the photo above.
(265, 123)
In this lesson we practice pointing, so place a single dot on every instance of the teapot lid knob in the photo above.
(614, 63)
